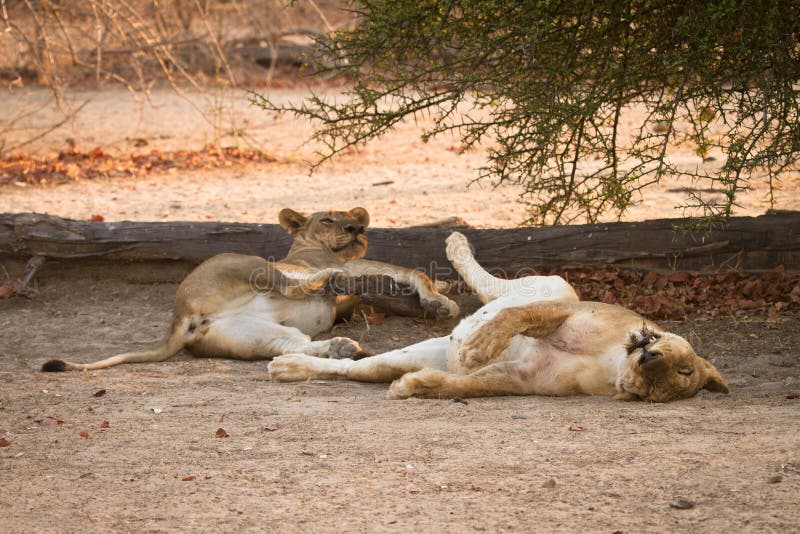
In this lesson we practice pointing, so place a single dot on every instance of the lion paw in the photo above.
(481, 347)
(323, 275)
(291, 368)
(458, 250)
(425, 383)
(470, 357)
(340, 284)
(402, 388)
(343, 347)
(319, 282)
(440, 307)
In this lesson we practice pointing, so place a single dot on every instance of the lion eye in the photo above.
(685, 372)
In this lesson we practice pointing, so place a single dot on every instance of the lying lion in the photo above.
(533, 337)
(247, 308)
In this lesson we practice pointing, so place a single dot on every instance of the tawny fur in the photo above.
(247, 308)
(532, 337)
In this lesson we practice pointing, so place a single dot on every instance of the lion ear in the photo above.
(361, 215)
(714, 381)
(291, 220)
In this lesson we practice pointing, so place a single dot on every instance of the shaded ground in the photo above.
(334, 456)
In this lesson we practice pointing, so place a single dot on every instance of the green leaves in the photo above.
(584, 102)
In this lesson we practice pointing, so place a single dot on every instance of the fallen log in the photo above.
(748, 243)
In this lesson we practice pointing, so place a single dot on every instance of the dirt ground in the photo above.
(337, 456)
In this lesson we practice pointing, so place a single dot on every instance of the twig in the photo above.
(321, 15)
(52, 128)
(32, 267)
(151, 46)
(214, 39)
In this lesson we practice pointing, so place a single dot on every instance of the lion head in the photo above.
(343, 232)
(663, 367)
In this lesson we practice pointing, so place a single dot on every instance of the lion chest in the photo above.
(551, 369)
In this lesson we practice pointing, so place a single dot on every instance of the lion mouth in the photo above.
(642, 391)
(352, 242)
(347, 245)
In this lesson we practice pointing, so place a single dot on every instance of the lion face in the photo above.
(663, 367)
(343, 232)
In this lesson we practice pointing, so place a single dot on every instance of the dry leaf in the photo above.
(84, 433)
(72, 164)
(4, 442)
(99, 393)
(97, 218)
(577, 428)
(104, 424)
(6, 291)
(680, 277)
(189, 478)
(375, 318)
(221, 433)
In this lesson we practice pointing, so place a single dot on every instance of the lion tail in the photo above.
(183, 332)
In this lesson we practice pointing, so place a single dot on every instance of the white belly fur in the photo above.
(311, 315)
(544, 359)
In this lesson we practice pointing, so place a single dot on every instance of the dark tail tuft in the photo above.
(54, 366)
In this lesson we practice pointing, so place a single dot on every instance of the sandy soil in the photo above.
(430, 180)
(338, 456)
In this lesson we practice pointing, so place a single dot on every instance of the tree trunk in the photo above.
(750, 243)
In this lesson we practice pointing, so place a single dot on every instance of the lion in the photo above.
(532, 337)
(247, 308)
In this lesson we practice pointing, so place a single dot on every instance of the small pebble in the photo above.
(682, 504)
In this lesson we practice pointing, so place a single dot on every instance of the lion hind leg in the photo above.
(486, 286)
(489, 288)
(249, 337)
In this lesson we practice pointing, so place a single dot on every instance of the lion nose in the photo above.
(354, 228)
(647, 357)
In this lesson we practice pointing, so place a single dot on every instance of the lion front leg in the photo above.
(299, 285)
(506, 378)
(429, 297)
(494, 336)
(431, 353)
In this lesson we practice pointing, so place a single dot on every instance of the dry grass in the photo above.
(207, 46)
